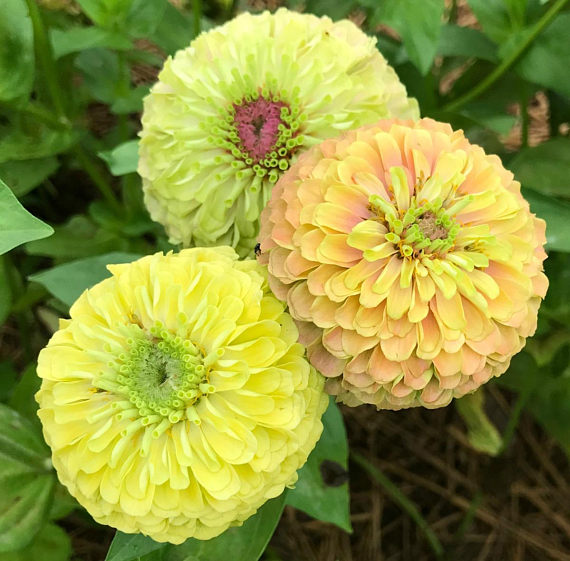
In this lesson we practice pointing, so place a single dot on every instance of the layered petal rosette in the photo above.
(176, 400)
(232, 111)
(410, 261)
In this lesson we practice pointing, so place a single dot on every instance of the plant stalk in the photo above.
(485, 84)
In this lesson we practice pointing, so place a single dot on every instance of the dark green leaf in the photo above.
(466, 42)
(100, 71)
(545, 168)
(16, 51)
(322, 489)
(68, 281)
(17, 225)
(26, 480)
(557, 216)
(144, 16)
(174, 31)
(63, 503)
(129, 547)
(131, 101)
(27, 139)
(22, 399)
(418, 23)
(123, 158)
(50, 544)
(76, 39)
(8, 379)
(546, 61)
(79, 237)
(550, 398)
(25, 175)
(245, 543)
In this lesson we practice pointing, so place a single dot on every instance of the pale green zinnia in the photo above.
(232, 111)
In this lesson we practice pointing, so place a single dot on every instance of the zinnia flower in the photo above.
(410, 261)
(231, 112)
(176, 400)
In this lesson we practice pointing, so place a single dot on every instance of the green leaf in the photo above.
(17, 225)
(549, 401)
(494, 17)
(544, 168)
(68, 281)
(50, 544)
(106, 13)
(22, 399)
(8, 379)
(546, 61)
(131, 101)
(144, 16)
(16, 51)
(76, 39)
(122, 159)
(25, 175)
(79, 237)
(466, 42)
(24, 138)
(174, 31)
(244, 543)
(326, 498)
(26, 481)
(100, 71)
(419, 24)
(556, 213)
(129, 547)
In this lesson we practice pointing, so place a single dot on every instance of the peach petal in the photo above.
(325, 362)
(381, 369)
(399, 348)
(318, 277)
(335, 251)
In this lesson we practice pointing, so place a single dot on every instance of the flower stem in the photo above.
(44, 54)
(405, 504)
(97, 177)
(485, 84)
(197, 13)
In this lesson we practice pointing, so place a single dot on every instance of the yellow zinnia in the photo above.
(232, 111)
(176, 400)
(410, 261)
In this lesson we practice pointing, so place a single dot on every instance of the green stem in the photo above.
(515, 417)
(197, 13)
(485, 84)
(97, 177)
(44, 54)
(39, 113)
(524, 119)
(405, 504)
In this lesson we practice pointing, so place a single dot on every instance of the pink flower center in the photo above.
(257, 123)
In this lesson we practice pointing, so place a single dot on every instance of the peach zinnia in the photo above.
(410, 261)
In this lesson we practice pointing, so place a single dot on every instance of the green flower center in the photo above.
(161, 377)
(261, 130)
(424, 228)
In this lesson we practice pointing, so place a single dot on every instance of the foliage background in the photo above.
(72, 78)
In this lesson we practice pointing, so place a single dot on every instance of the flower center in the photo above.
(424, 228)
(261, 131)
(162, 375)
(257, 123)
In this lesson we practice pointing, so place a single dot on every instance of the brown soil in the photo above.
(512, 508)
